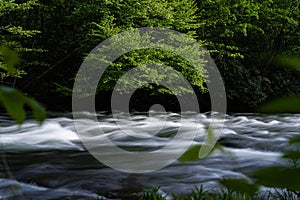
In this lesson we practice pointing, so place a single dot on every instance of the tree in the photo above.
(89, 23)
(15, 35)
(245, 37)
(13, 100)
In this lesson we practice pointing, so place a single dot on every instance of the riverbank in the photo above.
(140, 102)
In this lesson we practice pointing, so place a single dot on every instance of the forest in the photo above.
(251, 43)
(239, 154)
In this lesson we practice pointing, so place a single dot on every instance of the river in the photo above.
(49, 161)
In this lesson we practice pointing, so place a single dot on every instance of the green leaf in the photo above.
(295, 139)
(39, 112)
(191, 154)
(288, 61)
(279, 177)
(292, 155)
(240, 186)
(197, 152)
(10, 58)
(209, 144)
(290, 104)
(14, 102)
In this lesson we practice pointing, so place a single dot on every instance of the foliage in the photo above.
(191, 154)
(199, 151)
(279, 177)
(151, 64)
(152, 195)
(245, 38)
(12, 99)
(16, 39)
(14, 102)
(10, 60)
(119, 17)
(286, 178)
(201, 194)
(15, 34)
(289, 104)
(240, 186)
(68, 30)
(288, 61)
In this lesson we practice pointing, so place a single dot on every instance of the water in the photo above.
(49, 161)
